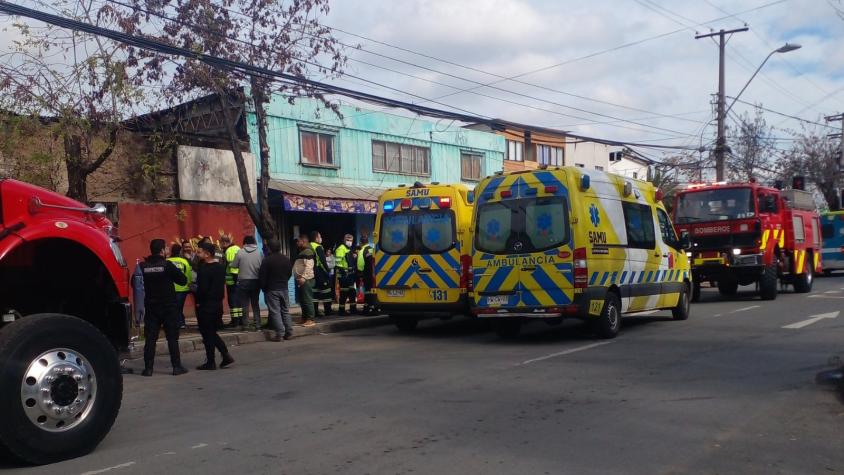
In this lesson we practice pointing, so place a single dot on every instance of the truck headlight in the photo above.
(736, 252)
(688, 254)
(115, 249)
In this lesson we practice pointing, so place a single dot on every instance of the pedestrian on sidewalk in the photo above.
(344, 266)
(248, 262)
(230, 250)
(364, 265)
(160, 278)
(182, 291)
(210, 290)
(322, 277)
(274, 275)
(303, 269)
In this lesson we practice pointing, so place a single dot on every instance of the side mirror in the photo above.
(685, 240)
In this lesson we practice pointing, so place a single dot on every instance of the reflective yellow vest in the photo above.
(340, 255)
(317, 261)
(184, 266)
(231, 251)
(361, 258)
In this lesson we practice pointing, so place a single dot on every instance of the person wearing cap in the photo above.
(344, 266)
(230, 250)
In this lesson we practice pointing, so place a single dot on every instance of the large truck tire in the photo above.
(803, 282)
(727, 287)
(60, 388)
(684, 304)
(768, 283)
(608, 324)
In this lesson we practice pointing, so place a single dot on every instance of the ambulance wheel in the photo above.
(60, 388)
(406, 324)
(507, 328)
(683, 308)
(727, 287)
(803, 282)
(768, 283)
(696, 292)
(608, 323)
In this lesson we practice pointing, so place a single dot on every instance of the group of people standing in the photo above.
(324, 276)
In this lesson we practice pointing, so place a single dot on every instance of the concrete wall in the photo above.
(354, 134)
(630, 168)
(210, 174)
(589, 154)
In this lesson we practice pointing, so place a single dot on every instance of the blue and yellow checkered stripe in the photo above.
(400, 270)
(637, 277)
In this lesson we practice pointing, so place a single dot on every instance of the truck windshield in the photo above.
(522, 226)
(417, 232)
(715, 205)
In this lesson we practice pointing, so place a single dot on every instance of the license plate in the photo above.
(395, 293)
(498, 300)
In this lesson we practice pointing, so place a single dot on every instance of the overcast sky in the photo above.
(631, 62)
(670, 75)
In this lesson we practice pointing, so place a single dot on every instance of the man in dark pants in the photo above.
(274, 275)
(160, 278)
(210, 290)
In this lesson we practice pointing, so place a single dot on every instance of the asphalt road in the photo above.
(729, 391)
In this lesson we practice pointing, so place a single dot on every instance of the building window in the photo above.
(402, 159)
(515, 151)
(599, 168)
(635, 176)
(470, 166)
(317, 149)
(551, 156)
(580, 165)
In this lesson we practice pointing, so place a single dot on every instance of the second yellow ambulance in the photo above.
(567, 242)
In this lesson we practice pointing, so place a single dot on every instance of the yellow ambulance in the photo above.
(568, 242)
(423, 263)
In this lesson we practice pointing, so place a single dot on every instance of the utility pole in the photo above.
(721, 141)
(838, 118)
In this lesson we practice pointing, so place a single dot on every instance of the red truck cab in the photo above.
(745, 233)
(64, 314)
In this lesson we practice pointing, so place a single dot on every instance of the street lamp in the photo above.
(786, 48)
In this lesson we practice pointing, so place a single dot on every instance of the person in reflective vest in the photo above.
(229, 252)
(344, 266)
(366, 280)
(182, 291)
(322, 284)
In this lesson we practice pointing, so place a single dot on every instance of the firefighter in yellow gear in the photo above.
(345, 268)
(230, 250)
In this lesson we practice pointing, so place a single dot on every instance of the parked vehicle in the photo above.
(832, 231)
(565, 242)
(422, 258)
(746, 233)
(65, 312)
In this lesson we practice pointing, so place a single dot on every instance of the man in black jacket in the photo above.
(274, 276)
(210, 290)
(160, 276)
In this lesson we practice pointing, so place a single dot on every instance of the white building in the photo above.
(631, 166)
(589, 155)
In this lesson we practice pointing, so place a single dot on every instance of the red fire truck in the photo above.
(64, 312)
(745, 233)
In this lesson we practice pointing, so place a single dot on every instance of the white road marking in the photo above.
(832, 292)
(566, 352)
(744, 309)
(817, 296)
(108, 469)
(811, 320)
(199, 446)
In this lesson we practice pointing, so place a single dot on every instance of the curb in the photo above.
(194, 342)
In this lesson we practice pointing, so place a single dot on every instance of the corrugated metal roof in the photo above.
(313, 189)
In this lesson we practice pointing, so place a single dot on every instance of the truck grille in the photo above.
(725, 241)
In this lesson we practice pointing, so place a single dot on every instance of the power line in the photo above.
(167, 18)
(249, 69)
(781, 113)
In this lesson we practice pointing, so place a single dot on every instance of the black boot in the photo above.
(147, 370)
(179, 370)
(227, 360)
(208, 366)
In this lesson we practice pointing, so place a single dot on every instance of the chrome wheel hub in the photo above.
(58, 390)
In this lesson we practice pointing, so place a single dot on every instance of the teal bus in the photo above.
(832, 230)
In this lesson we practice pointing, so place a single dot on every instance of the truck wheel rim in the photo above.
(58, 390)
(612, 315)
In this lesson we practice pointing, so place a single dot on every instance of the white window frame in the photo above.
(515, 151)
(414, 150)
(474, 155)
(319, 133)
(550, 155)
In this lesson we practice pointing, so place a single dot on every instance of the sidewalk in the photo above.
(190, 340)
